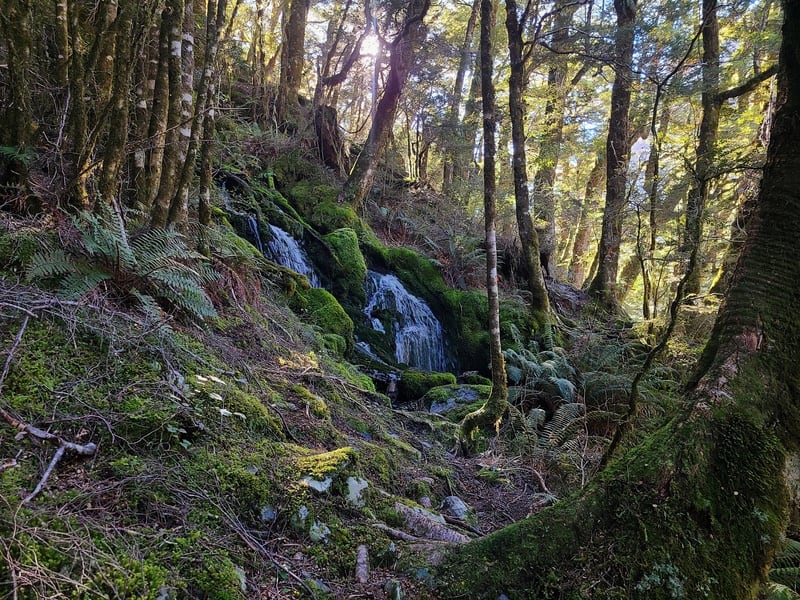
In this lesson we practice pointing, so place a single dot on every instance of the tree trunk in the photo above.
(698, 509)
(491, 413)
(551, 137)
(114, 152)
(454, 130)
(17, 119)
(173, 15)
(577, 266)
(603, 286)
(540, 303)
(706, 142)
(401, 58)
(292, 55)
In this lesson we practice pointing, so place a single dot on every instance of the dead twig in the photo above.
(25, 428)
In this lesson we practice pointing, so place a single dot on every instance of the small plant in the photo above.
(150, 267)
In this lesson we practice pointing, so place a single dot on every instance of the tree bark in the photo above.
(292, 55)
(577, 266)
(551, 137)
(603, 286)
(707, 140)
(454, 130)
(18, 118)
(401, 58)
(491, 413)
(173, 16)
(698, 509)
(540, 303)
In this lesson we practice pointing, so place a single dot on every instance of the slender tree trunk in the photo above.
(706, 141)
(114, 152)
(173, 15)
(15, 19)
(61, 40)
(157, 130)
(77, 119)
(699, 508)
(551, 138)
(401, 58)
(454, 130)
(292, 55)
(577, 266)
(540, 303)
(603, 286)
(496, 405)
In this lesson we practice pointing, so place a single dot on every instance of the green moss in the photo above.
(323, 464)
(305, 196)
(328, 216)
(657, 523)
(349, 270)
(17, 248)
(413, 385)
(321, 308)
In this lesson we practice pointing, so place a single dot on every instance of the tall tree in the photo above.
(617, 155)
(454, 130)
(577, 266)
(491, 412)
(402, 49)
(699, 507)
(295, 17)
(551, 136)
(539, 303)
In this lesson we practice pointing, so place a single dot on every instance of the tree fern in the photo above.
(151, 268)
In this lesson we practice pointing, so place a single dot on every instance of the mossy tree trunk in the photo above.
(540, 303)
(618, 150)
(15, 128)
(698, 509)
(491, 413)
(292, 54)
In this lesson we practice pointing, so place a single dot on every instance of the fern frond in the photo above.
(51, 263)
(565, 422)
(76, 285)
(559, 386)
(778, 591)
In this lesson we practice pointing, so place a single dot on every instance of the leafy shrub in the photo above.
(150, 267)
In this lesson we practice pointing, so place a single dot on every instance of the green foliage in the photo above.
(150, 267)
(785, 569)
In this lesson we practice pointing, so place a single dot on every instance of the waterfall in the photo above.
(252, 226)
(286, 251)
(417, 332)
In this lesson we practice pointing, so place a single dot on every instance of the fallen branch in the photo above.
(362, 564)
(25, 428)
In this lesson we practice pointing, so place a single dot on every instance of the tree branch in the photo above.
(747, 86)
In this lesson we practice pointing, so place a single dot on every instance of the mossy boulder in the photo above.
(447, 398)
(321, 308)
(329, 216)
(305, 196)
(349, 269)
(414, 384)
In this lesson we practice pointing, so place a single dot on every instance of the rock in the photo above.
(455, 507)
(298, 519)
(319, 532)
(424, 501)
(318, 486)
(268, 514)
(355, 491)
(393, 590)
(318, 586)
(445, 398)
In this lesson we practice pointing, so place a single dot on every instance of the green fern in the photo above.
(151, 268)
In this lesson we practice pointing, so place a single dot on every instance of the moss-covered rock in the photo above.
(446, 398)
(413, 385)
(319, 307)
(306, 196)
(349, 269)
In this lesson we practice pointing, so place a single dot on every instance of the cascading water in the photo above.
(286, 251)
(417, 332)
